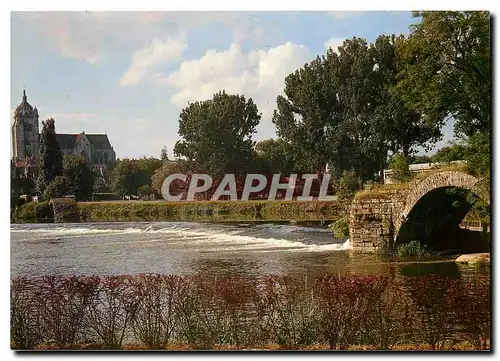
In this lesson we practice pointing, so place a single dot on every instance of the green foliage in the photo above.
(453, 152)
(79, 175)
(275, 156)
(43, 211)
(130, 174)
(57, 188)
(216, 134)
(26, 212)
(478, 155)
(340, 227)
(419, 159)
(347, 185)
(447, 69)
(100, 184)
(50, 156)
(400, 168)
(164, 154)
(145, 190)
(209, 211)
(412, 248)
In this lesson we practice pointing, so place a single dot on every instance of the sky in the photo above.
(129, 74)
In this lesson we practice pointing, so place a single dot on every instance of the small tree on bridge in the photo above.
(400, 166)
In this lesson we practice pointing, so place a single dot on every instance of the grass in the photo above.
(381, 190)
(208, 210)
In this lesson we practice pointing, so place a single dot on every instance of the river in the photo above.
(182, 248)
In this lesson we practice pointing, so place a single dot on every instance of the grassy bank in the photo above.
(207, 312)
(109, 211)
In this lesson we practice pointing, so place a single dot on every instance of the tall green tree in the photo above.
(216, 134)
(448, 68)
(79, 175)
(396, 126)
(309, 114)
(50, 156)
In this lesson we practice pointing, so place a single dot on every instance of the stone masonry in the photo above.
(377, 217)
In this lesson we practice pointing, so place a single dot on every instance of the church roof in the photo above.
(99, 141)
(66, 141)
(24, 107)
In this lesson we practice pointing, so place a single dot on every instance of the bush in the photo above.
(340, 227)
(347, 187)
(400, 166)
(210, 312)
(57, 188)
(44, 211)
(412, 248)
(26, 212)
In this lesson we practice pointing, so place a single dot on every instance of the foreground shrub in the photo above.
(289, 312)
(156, 313)
(332, 311)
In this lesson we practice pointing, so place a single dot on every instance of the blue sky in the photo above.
(128, 74)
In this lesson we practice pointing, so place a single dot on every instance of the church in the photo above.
(95, 148)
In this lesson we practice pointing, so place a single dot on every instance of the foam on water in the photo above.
(197, 236)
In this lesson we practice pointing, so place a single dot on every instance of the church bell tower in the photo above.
(25, 132)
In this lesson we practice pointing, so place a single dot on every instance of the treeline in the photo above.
(351, 111)
(207, 312)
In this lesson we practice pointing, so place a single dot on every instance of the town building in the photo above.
(95, 148)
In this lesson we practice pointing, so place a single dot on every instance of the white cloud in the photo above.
(151, 56)
(89, 36)
(334, 43)
(258, 74)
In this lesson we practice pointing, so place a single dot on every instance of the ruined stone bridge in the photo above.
(377, 216)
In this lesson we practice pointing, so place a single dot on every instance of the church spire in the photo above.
(25, 98)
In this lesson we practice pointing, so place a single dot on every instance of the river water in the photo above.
(183, 248)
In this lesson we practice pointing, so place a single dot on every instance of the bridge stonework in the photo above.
(375, 219)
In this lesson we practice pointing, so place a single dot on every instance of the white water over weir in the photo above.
(124, 248)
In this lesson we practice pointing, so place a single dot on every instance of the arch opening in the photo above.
(434, 221)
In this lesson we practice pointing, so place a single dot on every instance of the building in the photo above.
(418, 169)
(25, 132)
(95, 148)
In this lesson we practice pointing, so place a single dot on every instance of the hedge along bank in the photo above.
(228, 188)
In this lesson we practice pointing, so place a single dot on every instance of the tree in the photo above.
(448, 69)
(277, 154)
(79, 175)
(50, 156)
(454, 151)
(216, 134)
(57, 188)
(164, 154)
(145, 190)
(100, 184)
(418, 159)
(130, 174)
(309, 113)
(400, 168)
(396, 125)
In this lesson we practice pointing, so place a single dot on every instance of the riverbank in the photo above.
(125, 211)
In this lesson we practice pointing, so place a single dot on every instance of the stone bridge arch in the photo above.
(377, 217)
(419, 188)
